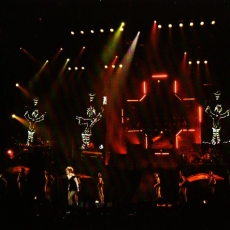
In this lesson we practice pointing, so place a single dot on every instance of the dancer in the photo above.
(92, 118)
(49, 179)
(73, 188)
(216, 116)
(100, 186)
(157, 185)
(182, 188)
(33, 119)
(3, 187)
(211, 186)
(21, 180)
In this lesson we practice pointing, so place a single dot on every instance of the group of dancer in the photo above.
(183, 187)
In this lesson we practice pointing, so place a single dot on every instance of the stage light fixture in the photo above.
(213, 22)
(170, 25)
(181, 25)
(10, 153)
(191, 24)
(120, 65)
(72, 33)
(82, 32)
(197, 62)
(205, 62)
(113, 66)
(68, 59)
(61, 48)
(82, 67)
(101, 30)
(159, 26)
(13, 116)
(106, 67)
(75, 68)
(92, 31)
(190, 62)
(111, 30)
(69, 68)
(121, 29)
(17, 85)
(202, 23)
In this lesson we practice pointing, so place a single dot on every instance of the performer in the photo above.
(33, 119)
(3, 187)
(21, 180)
(211, 185)
(216, 116)
(182, 188)
(157, 185)
(89, 122)
(100, 186)
(49, 179)
(73, 187)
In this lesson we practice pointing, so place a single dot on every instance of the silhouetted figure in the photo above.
(100, 186)
(3, 187)
(157, 185)
(49, 179)
(182, 188)
(211, 186)
(21, 180)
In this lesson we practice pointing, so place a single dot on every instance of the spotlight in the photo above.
(13, 116)
(92, 31)
(122, 24)
(170, 25)
(185, 53)
(10, 153)
(69, 68)
(75, 68)
(17, 85)
(113, 66)
(111, 30)
(120, 65)
(190, 62)
(213, 22)
(202, 23)
(72, 33)
(191, 24)
(82, 67)
(68, 59)
(181, 25)
(159, 26)
(121, 29)
(101, 30)
(198, 62)
(205, 62)
(47, 61)
(106, 67)
(82, 32)
(61, 48)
